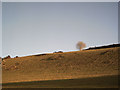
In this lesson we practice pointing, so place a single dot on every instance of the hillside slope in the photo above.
(68, 65)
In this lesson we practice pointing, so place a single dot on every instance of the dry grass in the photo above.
(69, 65)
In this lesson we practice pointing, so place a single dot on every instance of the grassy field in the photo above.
(88, 68)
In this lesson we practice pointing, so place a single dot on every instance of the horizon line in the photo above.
(87, 48)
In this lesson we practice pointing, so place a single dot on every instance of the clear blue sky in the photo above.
(37, 27)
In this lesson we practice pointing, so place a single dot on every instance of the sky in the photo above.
(30, 28)
(60, 0)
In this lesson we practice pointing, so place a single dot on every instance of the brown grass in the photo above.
(69, 65)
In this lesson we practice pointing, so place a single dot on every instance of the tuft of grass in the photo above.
(102, 53)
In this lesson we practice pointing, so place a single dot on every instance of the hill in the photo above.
(61, 66)
(102, 47)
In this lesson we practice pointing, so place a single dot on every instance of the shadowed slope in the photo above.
(93, 82)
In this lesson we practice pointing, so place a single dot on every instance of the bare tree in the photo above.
(80, 45)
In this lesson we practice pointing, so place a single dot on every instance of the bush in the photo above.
(80, 45)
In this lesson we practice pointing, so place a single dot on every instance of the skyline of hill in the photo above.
(89, 48)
